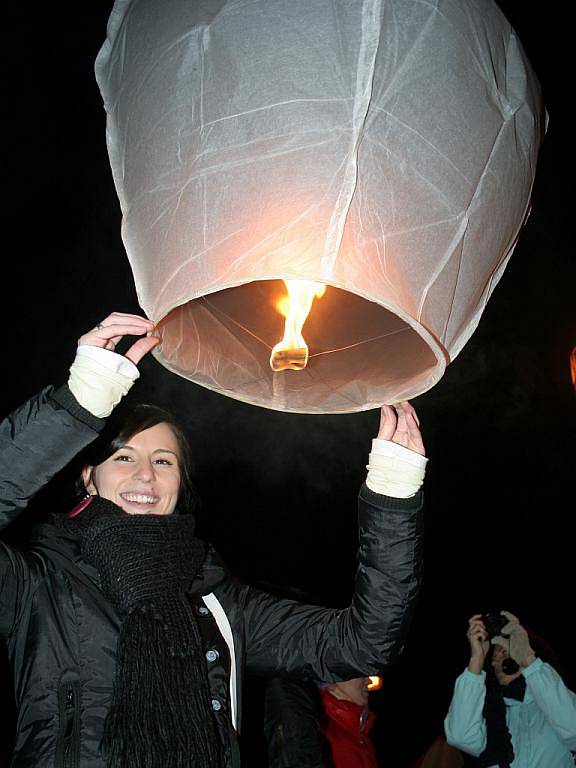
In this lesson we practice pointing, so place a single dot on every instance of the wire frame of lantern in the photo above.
(383, 148)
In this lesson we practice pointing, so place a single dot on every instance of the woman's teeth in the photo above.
(139, 498)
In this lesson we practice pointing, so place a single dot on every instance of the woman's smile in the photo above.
(143, 476)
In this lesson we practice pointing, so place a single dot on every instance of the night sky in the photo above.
(279, 489)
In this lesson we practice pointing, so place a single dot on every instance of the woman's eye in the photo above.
(123, 457)
(165, 462)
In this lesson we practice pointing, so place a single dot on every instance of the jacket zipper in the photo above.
(67, 749)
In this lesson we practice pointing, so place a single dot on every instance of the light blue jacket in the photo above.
(543, 726)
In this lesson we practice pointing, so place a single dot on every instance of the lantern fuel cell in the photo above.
(294, 359)
(383, 148)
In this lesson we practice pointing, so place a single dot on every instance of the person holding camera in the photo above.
(510, 708)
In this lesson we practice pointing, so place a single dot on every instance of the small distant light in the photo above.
(375, 683)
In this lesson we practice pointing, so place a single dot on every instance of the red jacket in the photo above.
(347, 730)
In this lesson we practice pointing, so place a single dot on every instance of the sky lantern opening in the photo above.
(356, 348)
(252, 149)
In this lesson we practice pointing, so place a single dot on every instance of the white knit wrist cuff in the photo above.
(99, 379)
(399, 474)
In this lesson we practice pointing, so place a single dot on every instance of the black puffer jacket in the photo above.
(61, 632)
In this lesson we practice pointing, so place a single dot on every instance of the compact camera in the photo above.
(494, 623)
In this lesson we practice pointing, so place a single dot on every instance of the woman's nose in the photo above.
(145, 471)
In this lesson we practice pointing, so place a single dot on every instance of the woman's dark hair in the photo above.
(123, 425)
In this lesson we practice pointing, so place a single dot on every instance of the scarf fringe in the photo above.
(159, 689)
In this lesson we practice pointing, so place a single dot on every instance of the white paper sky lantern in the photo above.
(385, 148)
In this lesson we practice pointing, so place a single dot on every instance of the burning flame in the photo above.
(375, 683)
(292, 351)
(573, 367)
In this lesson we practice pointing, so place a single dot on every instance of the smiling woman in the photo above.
(139, 477)
(127, 637)
(145, 467)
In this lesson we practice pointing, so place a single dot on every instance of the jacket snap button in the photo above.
(212, 655)
(203, 611)
(216, 705)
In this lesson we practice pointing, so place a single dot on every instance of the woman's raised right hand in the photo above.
(113, 328)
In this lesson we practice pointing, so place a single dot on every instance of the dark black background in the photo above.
(279, 489)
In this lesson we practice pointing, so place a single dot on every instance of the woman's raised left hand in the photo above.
(400, 424)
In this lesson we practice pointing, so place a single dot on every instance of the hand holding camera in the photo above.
(514, 638)
(499, 628)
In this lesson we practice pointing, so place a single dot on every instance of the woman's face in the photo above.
(142, 477)
(499, 656)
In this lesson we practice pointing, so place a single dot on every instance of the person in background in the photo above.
(324, 725)
(510, 708)
(127, 637)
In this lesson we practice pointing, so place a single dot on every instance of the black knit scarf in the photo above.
(499, 750)
(160, 715)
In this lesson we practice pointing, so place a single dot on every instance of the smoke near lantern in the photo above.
(250, 148)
